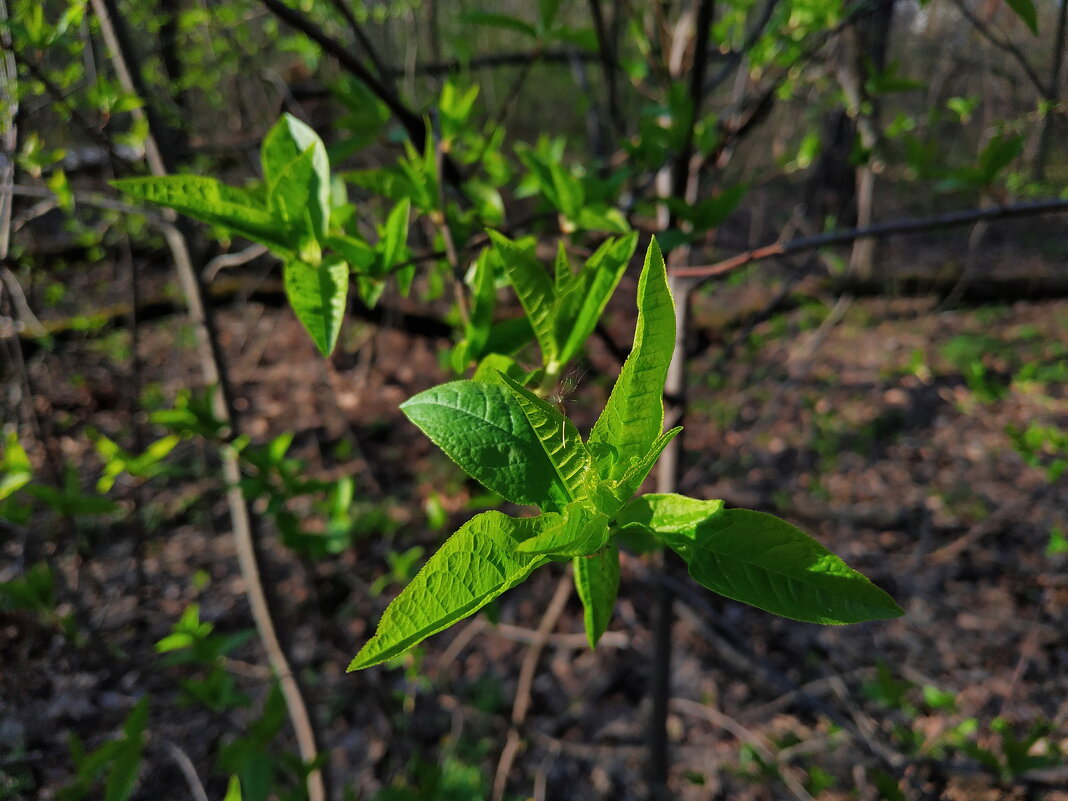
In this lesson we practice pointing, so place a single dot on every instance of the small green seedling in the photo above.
(522, 447)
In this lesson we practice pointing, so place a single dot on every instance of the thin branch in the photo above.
(1006, 46)
(804, 243)
(213, 367)
(188, 770)
(735, 57)
(526, 683)
(606, 52)
(411, 121)
(365, 42)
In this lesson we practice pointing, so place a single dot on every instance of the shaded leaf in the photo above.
(597, 582)
(534, 289)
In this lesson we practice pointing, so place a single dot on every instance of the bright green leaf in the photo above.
(17, 470)
(633, 418)
(233, 790)
(558, 437)
(475, 565)
(758, 559)
(534, 290)
(394, 236)
(291, 198)
(673, 517)
(581, 303)
(581, 531)
(632, 479)
(491, 367)
(285, 142)
(482, 427)
(597, 582)
(562, 275)
(212, 202)
(318, 295)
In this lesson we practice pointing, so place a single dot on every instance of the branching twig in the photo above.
(365, 42)
(412, 122)
(740, 732)
(912, 225)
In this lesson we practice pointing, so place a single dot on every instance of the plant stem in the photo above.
(213, 367)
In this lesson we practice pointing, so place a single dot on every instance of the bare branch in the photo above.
(880, 230)
(1006, 46)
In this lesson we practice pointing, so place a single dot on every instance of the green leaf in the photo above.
(581, 531)
(318, 295)
(475, 565)
(491, 367)
(291, 199)
(600, 217)
(483, 301)
(355, 251)
(1025, 10)
(633, 418)
(482, 428)
(213, 202)
(562, 275)
(394, 236)
(534, 289)
(287, 141)
(233, 790)
(597, 582)
(632, 479)
(558, 436)
(758, 559)
(499, 21)
(581, 303)
(672, 517)
(17, 469)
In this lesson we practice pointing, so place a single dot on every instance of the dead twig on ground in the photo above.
(526, 683)
(992, 524)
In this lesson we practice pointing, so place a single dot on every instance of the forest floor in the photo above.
(882, 426)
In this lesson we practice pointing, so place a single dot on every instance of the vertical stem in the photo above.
(667, 474)
(213, 367)
(1044, 135)
(678, 179)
